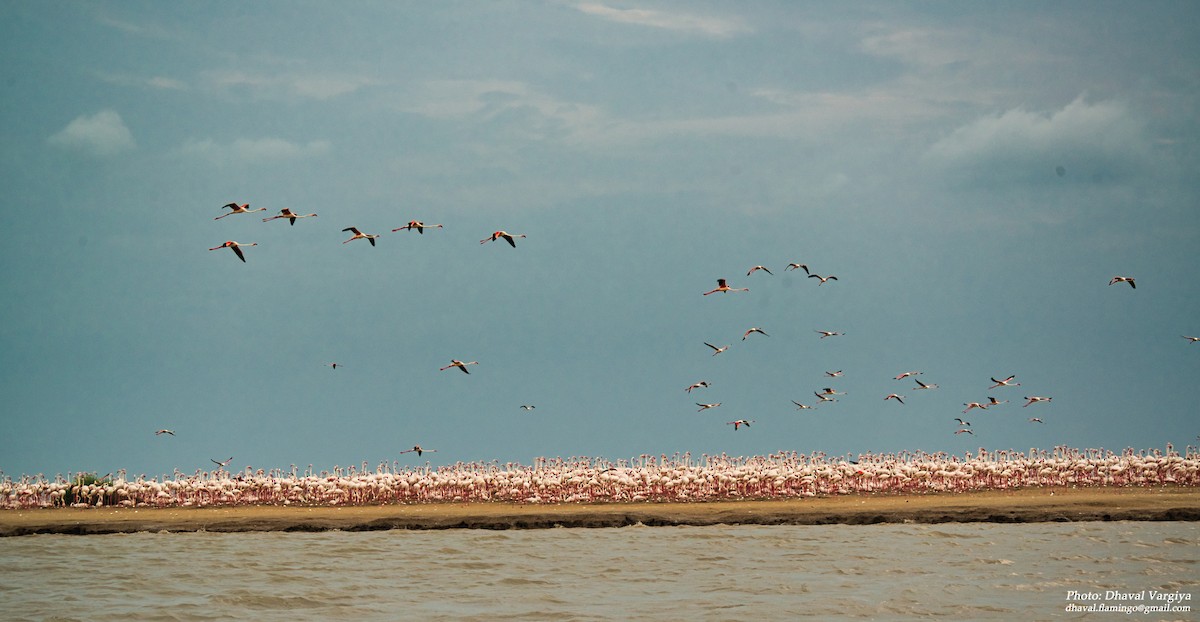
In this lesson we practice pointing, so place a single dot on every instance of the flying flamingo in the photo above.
(796, 266)
(702, 383)
(222, 465)
(334, 365)
(922, 385)
(161, 432)
(289, 214)
(739, 422)
(833, 374)
(800, 406)
(420, 450)
(962, 423)
(418, 225)
(971, 405)
(966, 431)
(528, 407)
(822, 278)
(238, 209)
(1123, 279)
(1035, 420)
(828, 333)
(1191, 339)
(235, 246)
(757, 268)
(723, 287)
(459, 364)
(1007, 382)
(893, 396)
(1035, 399)
(824, 397)
(995, 402)
(754, 330)
(829, 391)
(359, 235)
(907, 374)
(718, 350)
(503, 234)
(707, 406)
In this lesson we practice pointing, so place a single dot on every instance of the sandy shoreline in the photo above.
(1028, 505)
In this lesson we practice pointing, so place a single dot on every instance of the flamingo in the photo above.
(828, 333)
(238, 209)
(723, 287)
(824, 397)
(822, 278)
(800, 406)
(527, 406)
(922, 385)
(359, 235)
(459, 364)
(964, 430)
(833, 374)
(235, 246)
(1035, 420)
(907, 374)
(707, 406)
(717, 350)
(962, 423)
(420, 450)
(796, 266)
(289, 214)
(418, 225)
(971, 405)
(503, 234)
(1035, 399)
(161, 432)
(995, 402)
(1007, 382)
(222, 465)
(893, 396)
(739, 422)
(697, 385)
(1191, 339)
(757, 268)
(754, 330)
(334, 365)
(1123, 279)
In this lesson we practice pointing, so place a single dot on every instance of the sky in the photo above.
(973, 176)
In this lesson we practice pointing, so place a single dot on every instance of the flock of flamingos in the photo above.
(646, 478)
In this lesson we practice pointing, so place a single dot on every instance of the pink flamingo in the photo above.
(971, 405)
(717, 350)
(419, 450)
(697, 385)
(995, 402)
(822, 278)
(508, 237)
(962, 423)
(416, 224)
(707, 406)
(829, 333)
(222, 464)
(359, 235)
(238, 209)
(1035, 399)
(907, 374)
(723, 287)
(893, 396)
(796, 266)
(754, 330)
(1191, 339)
(1007, 382)
(757, 268)
(739, 422)
(834, 374)
(1123, 279)
(289, 214)
(161, 432)
(800, 406)
(459, 364)
(1035, 420)
(922, 385)
(966, 431)
(235, 246)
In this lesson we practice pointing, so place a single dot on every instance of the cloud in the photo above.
(1098, 141)
(710, 26)
(318, 86)
(511, 104)
(255, 150)
(102, 134)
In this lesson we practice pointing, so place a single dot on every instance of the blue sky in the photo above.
(911, 149)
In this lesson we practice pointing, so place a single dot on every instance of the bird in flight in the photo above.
(995, 402)
(739, 422)
(222, 464)
(757, 268)
(236, 246)
(1115, 279)
(723, 287)
(459, 364)
(824, 397)
(717, 350)
(893, 396)
(822, 278)
(966, 431)
(707, 406)
(833, 374)
(829, 391)
(922, 385)
(800, 406)
(962, 423)
(161, 432)
(1035, 399)
(697, 385)
(796, 266)
(971, 405)
(907, 374)
(238, 209)
(289, 214)
(508, 237)
(1035, 420)
(418, 225)
(420, 450)
(334, 365)
(754, 330)
(359, 235)
(527, 406)
(1191, 339)
(1007, 382)
(829, 333)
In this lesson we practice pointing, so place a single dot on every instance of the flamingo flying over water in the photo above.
(723, 287)
(459, 364)
(508, 237)
(418, 225)
(359, 235)
(238, 209)
(289, 214)
(1123, 279)
(222, 464)
(420, 450)
(739, 422)
(235, 246)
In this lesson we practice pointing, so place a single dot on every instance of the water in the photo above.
(974, 571)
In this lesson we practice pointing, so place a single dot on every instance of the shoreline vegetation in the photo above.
(1049, 504)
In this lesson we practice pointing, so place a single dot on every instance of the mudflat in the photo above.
(1008, 506)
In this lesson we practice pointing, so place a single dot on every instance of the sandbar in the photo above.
(1007, 506)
